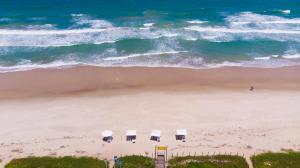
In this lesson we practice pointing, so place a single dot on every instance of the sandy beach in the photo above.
(62, 112)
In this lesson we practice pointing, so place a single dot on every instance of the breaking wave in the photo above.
(142, 54)
(166, 44)
(86, 30)
(158, 59)
(250, 26)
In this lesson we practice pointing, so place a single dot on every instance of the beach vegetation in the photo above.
(135, 161)
(57, 162)
(276, 160)
(216, 161)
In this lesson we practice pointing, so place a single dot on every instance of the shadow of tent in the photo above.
(179, 137)
(155, 138)
(130, 138)
(107, 139)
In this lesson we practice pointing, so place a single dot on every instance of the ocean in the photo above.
(152, 33)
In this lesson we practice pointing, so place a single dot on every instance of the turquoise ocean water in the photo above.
(180, 33)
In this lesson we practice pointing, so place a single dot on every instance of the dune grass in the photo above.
(56, 162)
(277, 160)
(217, 161)
(135, 161)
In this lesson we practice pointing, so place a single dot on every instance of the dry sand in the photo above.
(62, 112)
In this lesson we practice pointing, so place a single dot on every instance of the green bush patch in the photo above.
(217, 161)
(56, 162)
(135, 161)
(277, 160)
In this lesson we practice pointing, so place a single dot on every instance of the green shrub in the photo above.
(54, 162)
(135, 161)
(277, 160)
(217, 161)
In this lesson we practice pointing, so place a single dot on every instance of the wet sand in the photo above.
(44, 82)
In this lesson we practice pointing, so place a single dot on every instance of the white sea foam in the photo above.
(149, 24)
(40, 27)
(223, 64)
(283, 21)
(85, 20)
(95, 23)
(291, 56)
(239, 31)
(46, 38)
(248, 26)
(270, 63)
(262, 58)
(285, 11)
(191, 39)
(168, 34)
(258, 21)
(77, 15)
(141, 55)
(196, 21)
(144, 28)
(286, 56)
(28, 65)
(185, 62)
(71, 37)
(89, 30)
(49, 32)
(47, 35)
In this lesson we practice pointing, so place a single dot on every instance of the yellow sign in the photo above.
(161, 148)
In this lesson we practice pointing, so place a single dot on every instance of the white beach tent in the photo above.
(181, 134)
(107, 135)
(155, 135)
(131, 135)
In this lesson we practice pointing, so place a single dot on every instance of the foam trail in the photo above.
(292, 56)
(223, 64)
(262, 58)
(149, 24)
(285, 11)
(31, 66)
(170, 35)
(51, 32)
(253, 21)
(77, 15)
(196, 21)
(291, 21)
(40, 27)
(238, 31)
(247, 26)
(45, 38)
(141, 55)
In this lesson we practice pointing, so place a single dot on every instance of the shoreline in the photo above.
(107, 80)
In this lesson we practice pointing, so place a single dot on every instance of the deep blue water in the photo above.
(189, 33)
